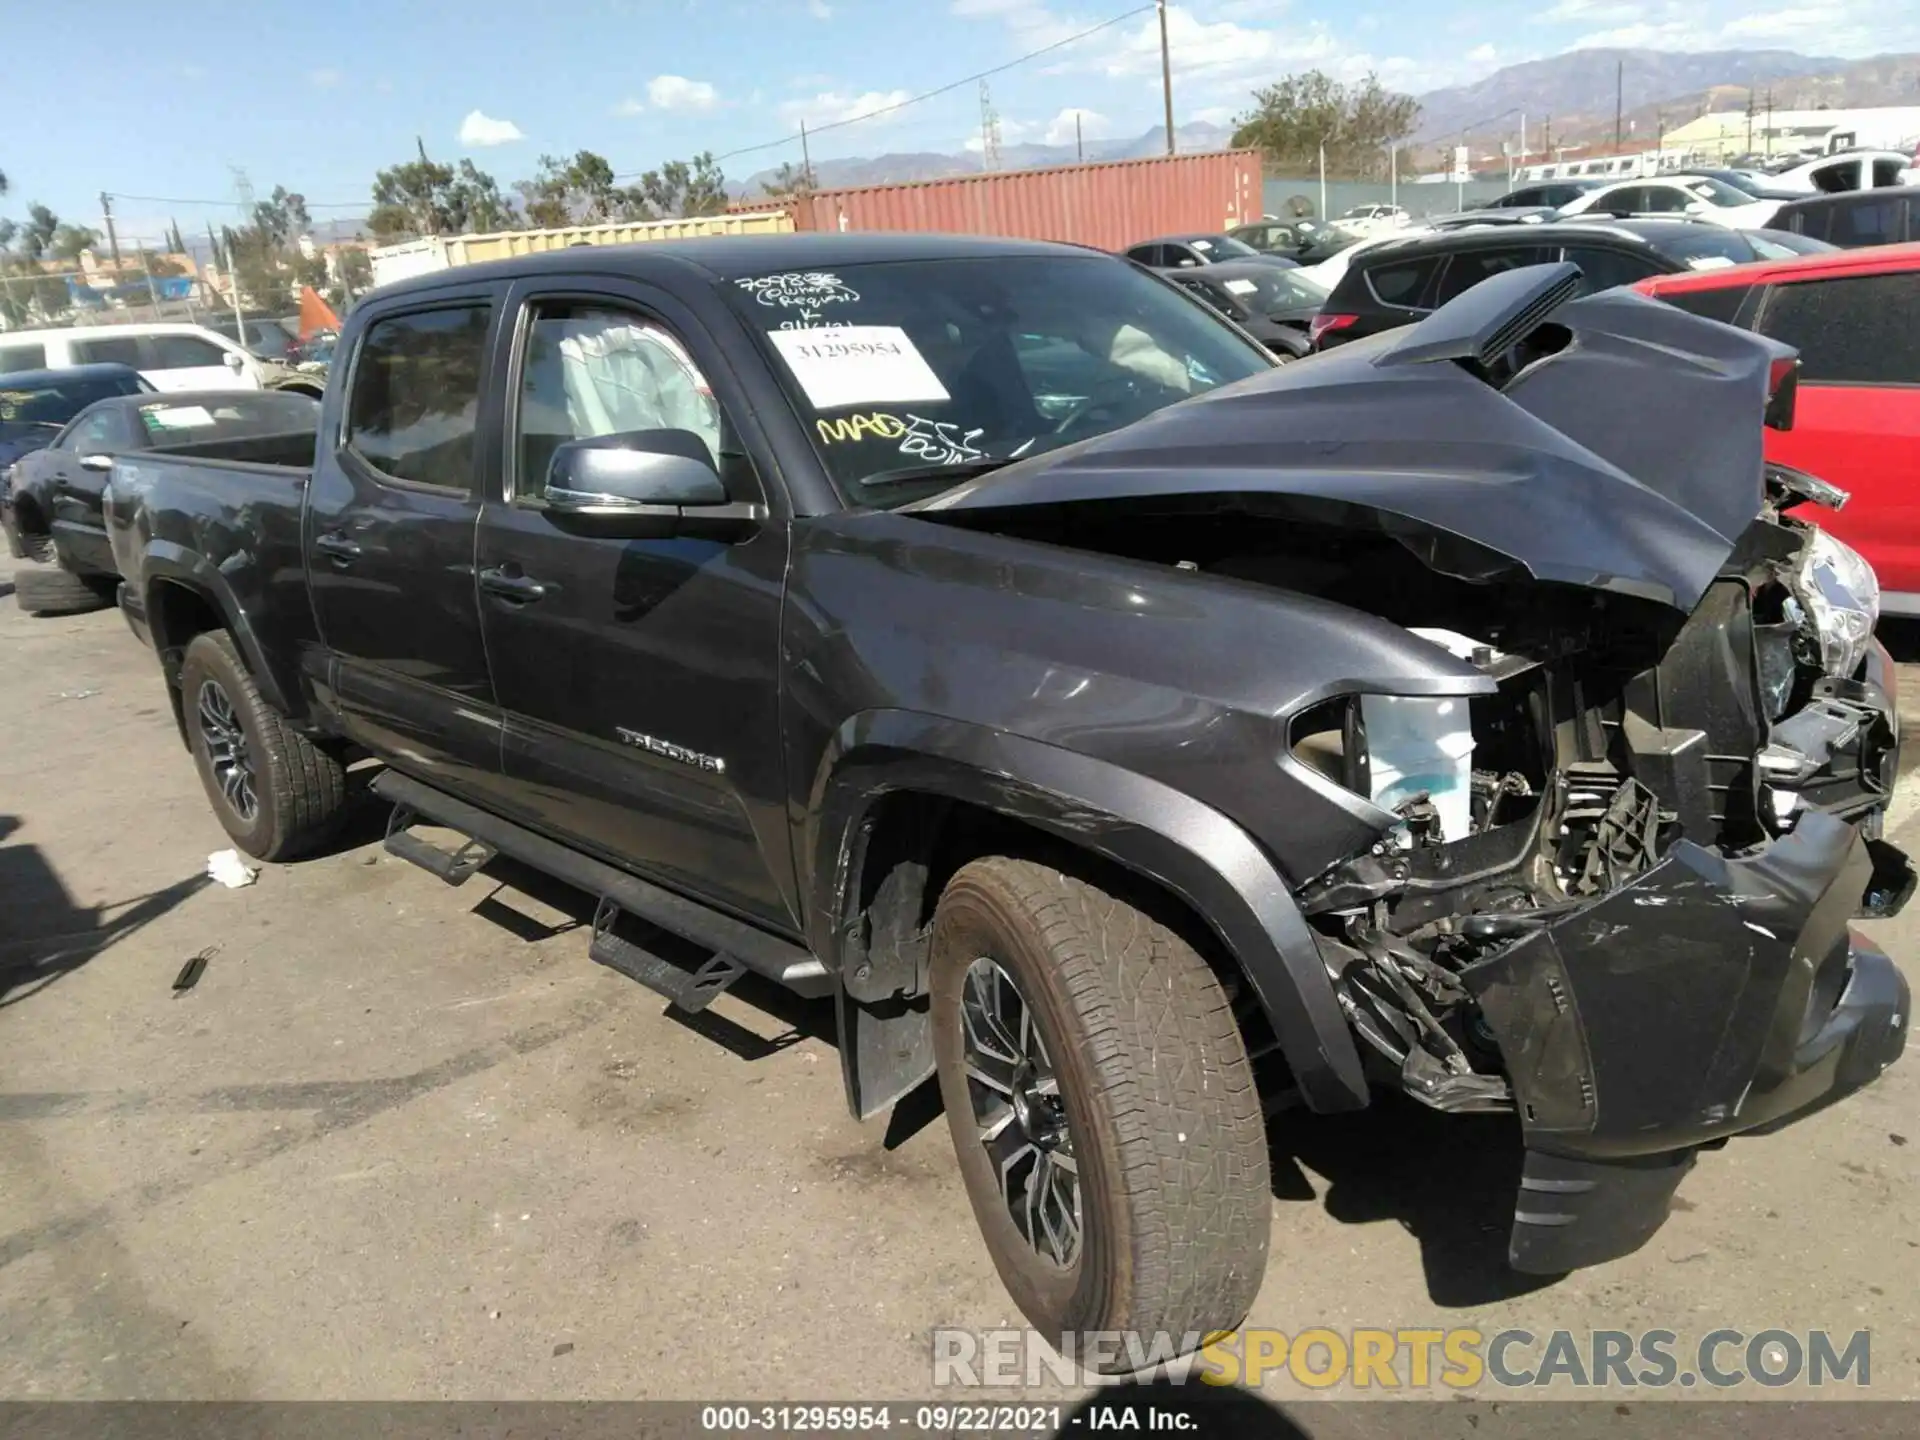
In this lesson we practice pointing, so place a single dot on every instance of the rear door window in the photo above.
(1722, 304)
(1468, 269)
(110, 350)
(1868, 222)
(1886, 173)
(1404, 283)
(1603, 269)
(15, 358)
(416, 395)
(1862, 330)
(182, 352)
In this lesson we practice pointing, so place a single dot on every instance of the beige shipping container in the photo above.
(441, 252)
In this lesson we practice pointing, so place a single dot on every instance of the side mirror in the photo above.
(235, 361)
(637, 473)
(96, 462)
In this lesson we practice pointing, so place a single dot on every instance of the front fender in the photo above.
(1148, 827)
(164, 563)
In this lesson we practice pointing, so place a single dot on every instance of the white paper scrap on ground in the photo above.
(230, 870)
(858, 365)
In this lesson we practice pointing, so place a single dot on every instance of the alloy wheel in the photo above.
(227, 751)
(1018, 1113)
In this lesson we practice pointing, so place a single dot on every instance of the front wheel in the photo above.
(1101, 1105)
(275, 791)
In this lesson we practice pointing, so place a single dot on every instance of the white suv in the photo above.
(171, 356)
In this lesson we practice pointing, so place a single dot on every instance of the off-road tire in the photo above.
(1167, 1129)
(301, 791)
(50, 590)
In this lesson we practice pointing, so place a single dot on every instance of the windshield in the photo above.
(57, 404)
(1784, 244)
(1706, 247)
(1715, 192)
(245, 412)
(1279, 290)
(911, 375)
(1222, 247)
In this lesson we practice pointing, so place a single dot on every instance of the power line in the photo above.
(228, 204)
(924, 95)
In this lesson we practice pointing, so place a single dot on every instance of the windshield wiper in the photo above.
(962, 470)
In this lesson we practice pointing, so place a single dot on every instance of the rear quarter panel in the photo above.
(231, 533)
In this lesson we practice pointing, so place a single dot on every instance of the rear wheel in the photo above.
(275, 791)
(49, 590)
(1101, 1106)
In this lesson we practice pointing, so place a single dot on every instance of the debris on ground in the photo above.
(230, 870)
(78, 694)
(191, 972)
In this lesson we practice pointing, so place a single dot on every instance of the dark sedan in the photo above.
(35, 405)
(1274, 306)
(1185, 252)
(55, 509)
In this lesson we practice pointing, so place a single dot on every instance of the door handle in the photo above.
(511, 587)
(338, 546)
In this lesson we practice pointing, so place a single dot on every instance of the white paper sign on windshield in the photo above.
(178, 417)
(1242, 287)
(857, 365)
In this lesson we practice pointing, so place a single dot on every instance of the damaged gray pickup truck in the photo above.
(1138, 737)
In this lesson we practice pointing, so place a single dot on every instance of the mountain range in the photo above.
(1568, 97)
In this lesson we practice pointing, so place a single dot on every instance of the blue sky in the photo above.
(318, 95)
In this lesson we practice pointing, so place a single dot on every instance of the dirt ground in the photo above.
(406, 1141)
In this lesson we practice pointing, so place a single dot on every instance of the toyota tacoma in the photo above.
(1133, 734)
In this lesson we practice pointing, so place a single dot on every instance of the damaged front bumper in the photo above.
(1710, 996)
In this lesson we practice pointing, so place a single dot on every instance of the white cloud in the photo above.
(1093, 126)
(819, 9)
(1590, 12)
(830, 106)
(325, 78)
(479, 130)
(1483, 55)
(676, 92)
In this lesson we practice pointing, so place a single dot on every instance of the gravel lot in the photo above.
(406, 1141)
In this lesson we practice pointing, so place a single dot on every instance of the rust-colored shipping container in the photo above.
(1110, 205)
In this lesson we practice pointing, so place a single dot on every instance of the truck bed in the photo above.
(223, 517)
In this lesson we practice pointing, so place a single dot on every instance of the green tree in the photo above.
(282, 218)
(423, 197)
(791, 182)
(35, 238)
(1358, 124)
(579, 191)
(356, 270)
(69, 240)
(678, 188)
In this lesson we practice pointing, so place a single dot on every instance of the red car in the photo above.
(1854, 316)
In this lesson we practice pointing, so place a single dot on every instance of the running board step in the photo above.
(715, 932)
(688, 990)
(455, 867)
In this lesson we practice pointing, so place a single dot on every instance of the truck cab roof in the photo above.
(731, 257)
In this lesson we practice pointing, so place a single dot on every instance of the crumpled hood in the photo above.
(1631, 460)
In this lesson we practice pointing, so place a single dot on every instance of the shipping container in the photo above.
(439, 252)
(1110, 205)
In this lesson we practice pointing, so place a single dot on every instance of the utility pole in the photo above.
(113, 240)
(1523, 145)
(244, 188)
(806, 159)
(1079, 146)
(1619, 87)
(1166, 80)
(1749, 120)
(1769, 129)
(1546, 139)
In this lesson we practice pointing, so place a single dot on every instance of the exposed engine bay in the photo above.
(1585, 741)
(1619, 727)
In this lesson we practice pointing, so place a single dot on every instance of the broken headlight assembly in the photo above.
(1838, 597)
